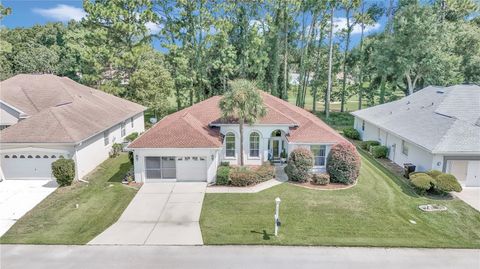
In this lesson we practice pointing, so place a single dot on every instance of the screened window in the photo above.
(404, 147)
(230, 145)
(318, 152)
(106, 138)
(122, 129)
(254, 144)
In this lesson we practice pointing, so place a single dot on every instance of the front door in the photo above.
(276, 149)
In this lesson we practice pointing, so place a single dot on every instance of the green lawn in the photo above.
(375, 212)
(56, 220)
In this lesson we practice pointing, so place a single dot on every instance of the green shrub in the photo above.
(130, 156)
(64, 171)
(351, 133)
(223, 175)
(343, 163)
(434, 173)
(242, 176)
(224, 164)
(369, 143)
(299, 164)
(379, 151)
(320, 179)
(131, 137)
(116, 149)
(422, 181)
(447, 183)
(265, 172)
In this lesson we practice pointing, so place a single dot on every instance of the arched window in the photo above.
(7, 157)
(14, 156)
(22, 156)
(254, 144)
(230, 145)
(277, 133)
(30, 157)
(61, 157)
(45, 156)
(53, 157)
(37, 157)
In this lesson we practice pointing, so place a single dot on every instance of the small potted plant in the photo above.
(283, 156)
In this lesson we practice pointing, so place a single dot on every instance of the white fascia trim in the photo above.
(311, 143)
(22, 114)
(133, 149)
(255, 124)
(392, 132)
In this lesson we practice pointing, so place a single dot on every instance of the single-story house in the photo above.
(190, 144)
(434, 128)
(46, 117)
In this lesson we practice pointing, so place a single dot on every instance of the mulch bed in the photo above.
(330, 186)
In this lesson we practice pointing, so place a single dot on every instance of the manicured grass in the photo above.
(375, 212)
(56, 220)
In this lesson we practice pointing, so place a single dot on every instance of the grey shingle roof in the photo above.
(439, 119)
(60, 110)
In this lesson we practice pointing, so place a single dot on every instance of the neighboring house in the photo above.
(190, 144)
(46, 117)
(434, 128)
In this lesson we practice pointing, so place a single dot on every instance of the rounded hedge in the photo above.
(64, 171)
(343, 163)
(320, 179)
(422, 181)
(223, 175)
(369, 143)
(299, 164)
(351, 133)
(379, 151)
(447, 183)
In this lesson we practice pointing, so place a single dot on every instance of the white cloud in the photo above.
(340, 23)
(61, 12)
(153, 28)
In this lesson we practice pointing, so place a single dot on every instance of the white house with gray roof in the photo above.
(434, 128)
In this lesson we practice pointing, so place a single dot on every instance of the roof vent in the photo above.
(440, 91)
(408, 102)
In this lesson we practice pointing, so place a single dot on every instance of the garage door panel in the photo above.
(28, 165)
(192, 168)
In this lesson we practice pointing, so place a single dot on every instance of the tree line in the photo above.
(206, 43)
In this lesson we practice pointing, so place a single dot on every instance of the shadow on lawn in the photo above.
(120, 174)
(266, 236)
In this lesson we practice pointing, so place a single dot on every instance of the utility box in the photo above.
(408, 168)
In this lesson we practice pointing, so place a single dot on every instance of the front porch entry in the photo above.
(277, 146)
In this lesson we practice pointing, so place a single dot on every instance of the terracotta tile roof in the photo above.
(60, 110)
(197, 126)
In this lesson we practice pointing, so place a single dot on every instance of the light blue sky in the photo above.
(26, 13)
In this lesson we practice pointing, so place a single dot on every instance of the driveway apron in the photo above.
(160, 214)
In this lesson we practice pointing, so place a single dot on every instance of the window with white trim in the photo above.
(131, 122)
(254, 144)
(122, 129)
(106, 138)
(230, 145)
(363, 125)
(404, 147)
(318, 152)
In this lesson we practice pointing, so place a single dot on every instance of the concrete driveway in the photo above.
(160, 214)
(17, 197)
(471, 196)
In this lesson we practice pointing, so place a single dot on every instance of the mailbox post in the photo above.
(277, 215)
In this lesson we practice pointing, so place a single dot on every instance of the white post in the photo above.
(277, 215)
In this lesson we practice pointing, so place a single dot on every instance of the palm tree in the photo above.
(242, 103)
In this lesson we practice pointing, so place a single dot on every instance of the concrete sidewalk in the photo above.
(471, 196)
(160, 214)
(142, 257)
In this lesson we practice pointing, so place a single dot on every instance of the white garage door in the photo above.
(467, 172)
(28, 165)
(192, 168)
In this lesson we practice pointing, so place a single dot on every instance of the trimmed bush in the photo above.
(447, 183)
(343, 163)
(116, 149)
(434, 173)
(130, 156)
(131, 137)
(224, 164)
(265, 172)
(223, 175)
(379, 151)
(320, 179)
(242, 176)
(369, 143)
(299, 164)
(422, 181)
(64, 171)
(351, 133)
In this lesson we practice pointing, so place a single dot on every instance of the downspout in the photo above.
(76, 163)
